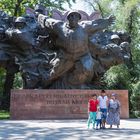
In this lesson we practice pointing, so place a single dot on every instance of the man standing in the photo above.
(103, 103)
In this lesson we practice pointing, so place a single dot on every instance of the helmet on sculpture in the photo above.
(20, 20)
(73, 12)
(40, 9)
(115, 36)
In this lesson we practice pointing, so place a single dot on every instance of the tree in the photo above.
(17, 7)
(135, 99)
(100, 5)
(2, 80)
(117, 77)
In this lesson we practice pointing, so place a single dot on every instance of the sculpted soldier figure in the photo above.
(119, 48)
(33, 60)
(110, 51)
(72, 39)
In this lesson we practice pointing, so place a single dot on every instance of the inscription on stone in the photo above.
(57, 104)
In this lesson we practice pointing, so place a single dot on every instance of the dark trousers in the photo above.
(98, 122)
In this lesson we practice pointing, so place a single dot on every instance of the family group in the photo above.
(103, 110)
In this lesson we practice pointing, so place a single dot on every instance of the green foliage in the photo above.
(135, 99)
(18, 82)
(104, 6)
(135, 69)
(8, 6)
(4, 115)
(122, 9)
(123, 13)
(17, 7)
(117, 77)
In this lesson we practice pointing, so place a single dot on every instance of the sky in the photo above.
(80, 5)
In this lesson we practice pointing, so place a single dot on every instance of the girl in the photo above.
(92, 108)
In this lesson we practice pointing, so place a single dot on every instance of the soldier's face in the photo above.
(116, 41)
(73, 20)
(19, 25)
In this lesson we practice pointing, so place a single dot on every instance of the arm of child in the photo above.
(88, 107)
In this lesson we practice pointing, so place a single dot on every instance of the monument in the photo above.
(62, 54)
(68, 52)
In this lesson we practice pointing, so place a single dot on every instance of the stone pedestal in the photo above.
(58, 104)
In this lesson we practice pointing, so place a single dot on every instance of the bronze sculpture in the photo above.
(57, 54)
(72, 39)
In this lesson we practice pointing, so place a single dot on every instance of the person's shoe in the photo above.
(110, 126)
(104, 127)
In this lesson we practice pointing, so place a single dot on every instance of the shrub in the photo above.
(135, 99)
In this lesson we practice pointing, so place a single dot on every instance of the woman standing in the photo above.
(113, 117)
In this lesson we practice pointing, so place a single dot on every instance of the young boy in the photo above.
(98, 118)
(92, 108)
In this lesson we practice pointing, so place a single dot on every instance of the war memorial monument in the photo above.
(61, 58)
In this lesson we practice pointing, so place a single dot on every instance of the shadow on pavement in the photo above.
(19, 130)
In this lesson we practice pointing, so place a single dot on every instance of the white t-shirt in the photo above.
(98, 115)
(102, 101)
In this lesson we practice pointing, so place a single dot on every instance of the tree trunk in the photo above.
(11, 69)
(17, 8)
(7, 90)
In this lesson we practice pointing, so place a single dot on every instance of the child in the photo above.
(92, 108)
(98, 118)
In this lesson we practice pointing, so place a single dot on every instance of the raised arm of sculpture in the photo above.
(50, 23)
(98, 25)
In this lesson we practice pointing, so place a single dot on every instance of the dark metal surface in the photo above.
(57, 54)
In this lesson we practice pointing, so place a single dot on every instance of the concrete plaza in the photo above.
(66, 130)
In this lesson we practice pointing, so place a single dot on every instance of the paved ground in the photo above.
(66, 130)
